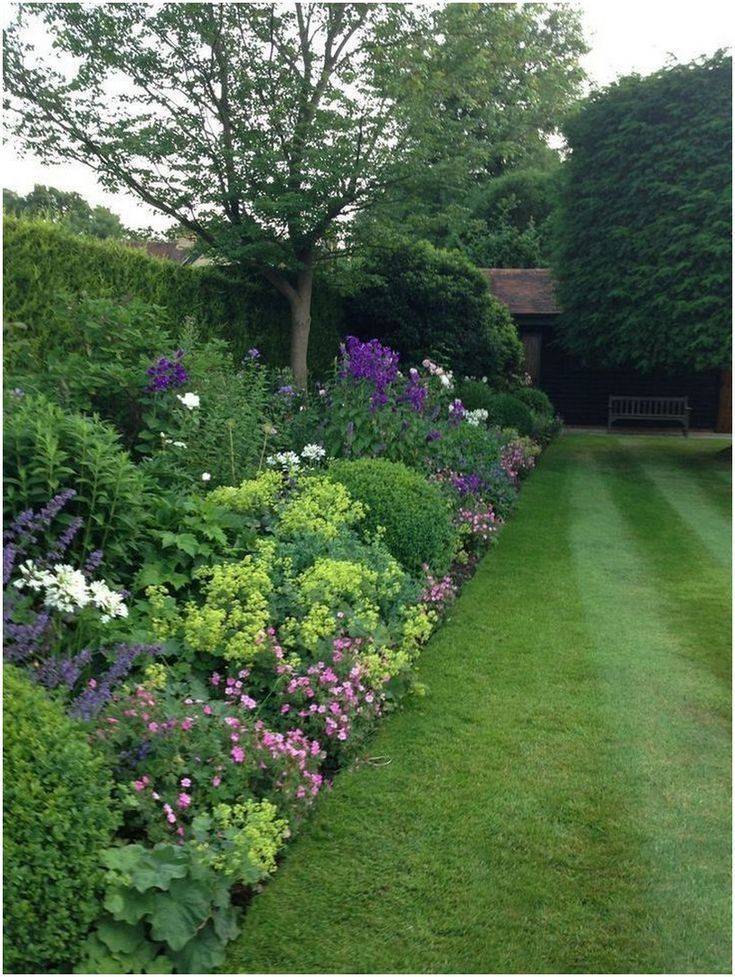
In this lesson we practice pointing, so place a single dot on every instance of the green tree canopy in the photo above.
(68, 208)
(643, 252)
(264, 128)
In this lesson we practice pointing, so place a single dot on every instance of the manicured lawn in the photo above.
(559, 800)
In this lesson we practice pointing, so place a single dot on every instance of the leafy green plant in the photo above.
(47, 449)
(98, 360)
(536, 399)
(475, 394)
(190, 531)
(413, 513)
(220, 440)
(58, 817)
(506, 410)
(166, 911)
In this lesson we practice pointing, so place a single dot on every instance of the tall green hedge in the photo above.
(643, 246)
(42, 262)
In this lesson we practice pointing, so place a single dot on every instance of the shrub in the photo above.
(47, 449)
(475, 394)
(506, 410)
(424, 301)
(536, 399)
(57, 820)
(413, 512)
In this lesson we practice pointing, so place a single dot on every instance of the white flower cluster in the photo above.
(289, 461)
(286, 460)
(67, 590)
(189, 400)
(446, 377)
(475, 417)
(313, 452)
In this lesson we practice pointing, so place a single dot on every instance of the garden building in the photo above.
(579, 392)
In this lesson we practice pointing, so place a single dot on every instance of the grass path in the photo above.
(559, 801)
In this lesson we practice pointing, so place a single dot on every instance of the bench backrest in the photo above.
(649, 406)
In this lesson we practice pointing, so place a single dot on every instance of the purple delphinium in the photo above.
(434, 435)
(370, 361)
(167, 373)
(286, 391)
(253, 354)
(99, 691)
(415, 392)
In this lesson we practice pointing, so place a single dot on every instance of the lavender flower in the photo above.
(98, 693)
(63, 671)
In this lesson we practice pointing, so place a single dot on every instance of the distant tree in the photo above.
(510, 220)
(68, 208)
(643, 253)
(264, 128)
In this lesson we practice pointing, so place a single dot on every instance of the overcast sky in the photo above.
(624, 36)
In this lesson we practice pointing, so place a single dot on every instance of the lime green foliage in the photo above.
(47, 449)
(58, 816)
(253, 497)
(166, 911)
(413, 512)
(241, 840)
(341, 586)
(312, 576)
(235, 609)
(643, 257)
(570, 764)
(323, 508)
(423, 301)
(44, 262)
(536, 399)
(506, 410)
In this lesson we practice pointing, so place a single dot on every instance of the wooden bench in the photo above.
(649, 409)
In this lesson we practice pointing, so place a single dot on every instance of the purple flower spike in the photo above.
(167, 373)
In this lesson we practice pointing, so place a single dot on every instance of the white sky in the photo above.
(624, 36)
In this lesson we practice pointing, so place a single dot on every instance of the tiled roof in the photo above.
(163, 249)
(526, 291)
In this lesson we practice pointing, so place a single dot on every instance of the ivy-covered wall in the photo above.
(43, 262)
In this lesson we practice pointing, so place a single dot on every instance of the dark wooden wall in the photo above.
(580, 393)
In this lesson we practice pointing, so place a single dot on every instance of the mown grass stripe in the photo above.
(700, 499)
(666, 717)
(509, 832)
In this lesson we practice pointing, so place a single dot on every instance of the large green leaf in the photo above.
(202, 955)
(148, 867)
(177, 914)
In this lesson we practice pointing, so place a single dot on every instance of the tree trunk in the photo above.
(300, 325)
